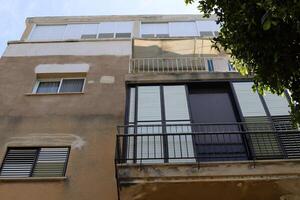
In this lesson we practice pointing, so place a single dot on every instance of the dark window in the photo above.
(48, 87)
(123, 35)
(72, 85)
(148, 35)
(106, 35)
(59, 86)
(206, 34)
(35, 162)
(89, 36)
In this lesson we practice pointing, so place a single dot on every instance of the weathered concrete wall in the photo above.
(87, 122)
(118, 47)
(284, 189)
(268, 179)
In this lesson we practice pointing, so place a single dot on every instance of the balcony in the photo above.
(182, 160)
(197, 143)
(180, 65)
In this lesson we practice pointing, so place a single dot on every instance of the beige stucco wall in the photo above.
(87, 122)
(76, 48)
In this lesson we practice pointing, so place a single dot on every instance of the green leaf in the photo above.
(267, 25)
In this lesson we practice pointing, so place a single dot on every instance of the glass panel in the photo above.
(132, 105)
(154, 28)
(179, 29)
(149, 107)
(48, 87)
(106, 35)
(123, 27)
(123, 35)
(72, 85)
(89, 31)
(277, 105)
(107, 27)
(73, 31)
(176, 107)
(249, 101)
(49, 32)
(207, 26)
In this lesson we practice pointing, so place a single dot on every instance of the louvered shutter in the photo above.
(35, 162)
(51, 162)
(18, 163)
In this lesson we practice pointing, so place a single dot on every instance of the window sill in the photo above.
(46, 94)
(25, 179)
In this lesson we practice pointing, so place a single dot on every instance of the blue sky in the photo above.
(14, 12)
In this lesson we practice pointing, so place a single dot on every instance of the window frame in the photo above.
(197, 29)
(29, 38)
(63, 38)
(154, 33)
(38, 81)
(38, 149)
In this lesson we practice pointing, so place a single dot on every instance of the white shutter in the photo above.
(207, 26)
(132, 105)
(123, 27)
(89, 31)
(154, 28)
(176, 107)
(73, 31)
(48, 32)
(249, 101)
(149, 107)
(107, 27)
(277, 105)
(180, 29)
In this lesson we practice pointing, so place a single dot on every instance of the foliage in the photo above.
(263, 37)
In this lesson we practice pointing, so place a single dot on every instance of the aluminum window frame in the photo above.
(60, 80)
(63, 38)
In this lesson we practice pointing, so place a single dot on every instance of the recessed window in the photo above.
(64, 85)
(35, 162)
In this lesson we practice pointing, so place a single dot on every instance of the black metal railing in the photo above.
(185, 142)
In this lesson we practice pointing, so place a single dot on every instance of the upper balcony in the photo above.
(180, 65)
(177, 55)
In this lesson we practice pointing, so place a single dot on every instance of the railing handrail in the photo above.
(239, 140)
(200, 124)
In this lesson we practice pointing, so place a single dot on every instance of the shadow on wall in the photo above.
(156, 48)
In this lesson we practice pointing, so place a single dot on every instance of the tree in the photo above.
(263, 38)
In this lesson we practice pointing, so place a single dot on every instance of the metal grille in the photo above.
(158, 143)
(35, 162)
(182, 64)
(289, 139)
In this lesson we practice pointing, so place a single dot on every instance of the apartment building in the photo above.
(138, 108)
